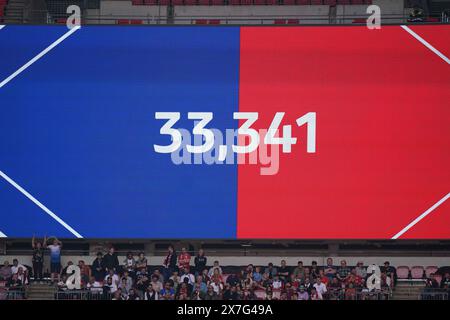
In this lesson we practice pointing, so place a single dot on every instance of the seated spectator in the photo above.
(431, 282)
(142, 283)
(132, 295)
(184, 260)
(117, 295)
(14, 283)
(200, 262)
(197, 293)
(233, 279)
(230, 293)
(320, 287)
(112, 280)
(201, 284)
(257, 276)
(266, 281)
(176, 279)
(158, 274)
(216, 266)
(389, 271)
(16, 266)
(218, 276)
(350, 292)
(187, 275)
(168, 292)
(271, 270)
(125, 285)
(94, 286)
(217, 285)
(308, 285)
(110, 286)
(248, 294)
(64, 270)
(156, 283)
(329, 269)
(324, 278)
(302, 293)
(62, 283)
(211, 294)
(22, 276)
(277, 283)
(184, 291)
(5, 271)
(315, 295)
(445, 282)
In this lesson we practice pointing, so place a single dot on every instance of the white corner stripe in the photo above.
(40, 205)
(2, 235)
(426, 44)
(423, 215)
(40, 55)
(1, 26)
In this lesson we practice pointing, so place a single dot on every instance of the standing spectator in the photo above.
(299, 270)
(170, 262)
(390, 272)
(360, 270)
(129, 264)
(98, 267)
(110, 260)
(200, 262)
(141, 263)
(85, 272)
(184, 259)
(314, 270)
(214, 267)
(343, 271)
(329, 269)
(283, 271)
(55, 259)
(38, 259)
(5, 271)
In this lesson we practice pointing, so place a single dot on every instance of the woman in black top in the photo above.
(38, 259)
(170, 263)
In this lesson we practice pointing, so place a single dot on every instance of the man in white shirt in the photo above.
(320, 287)
(114, 280)
(188, 275)
(15, 267)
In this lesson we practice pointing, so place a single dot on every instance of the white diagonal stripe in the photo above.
(423, 215)
(2, 235)
(426, 44)
(1, 26)
(40, 205)
(40, 55)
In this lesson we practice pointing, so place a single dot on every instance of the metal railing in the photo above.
(82, 294)
(434, 294)
(12, 294)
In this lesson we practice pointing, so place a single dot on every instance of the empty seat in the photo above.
(190, 2)
(217, 2)
(225, 277)
(303, 2)
(402, 272)
(214, 21)
(430, 269)
(330, 2)
(246, 2)
(235, 2)
(123, 21)
(293, 21)
(417, 272)
(164, 2)
(259, 2)
(279, 21)
(136, 21)
(316, 2)
(201, 21)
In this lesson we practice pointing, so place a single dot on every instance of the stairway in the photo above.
(14, 11)
(38, 291)
(407, 290)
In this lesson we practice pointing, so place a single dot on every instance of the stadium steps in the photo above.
(38, 291)
(14, 11)
(407, 290)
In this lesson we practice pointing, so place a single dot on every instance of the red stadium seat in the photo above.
(246, 2)
(177, 2)
(279, 21)
(293, 21)
(304, 2)
(214, 21)
(61, 21)
(402, 272)
(203, 2)
(136, 21)
(359, 20)
(431, 19)
(343, 1)
(271, 2)
(225, 277)
(190, 2)
(217, 2)
(137, 2)
(429, 270)
(316, 2)
(123, 21)
(417, 272)
(201, 21)
(150, 2)
(358, 1)
(330, 2)
(289, 2)
(164, 2)
(260, 294)
(259, 2)
(235, 2)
